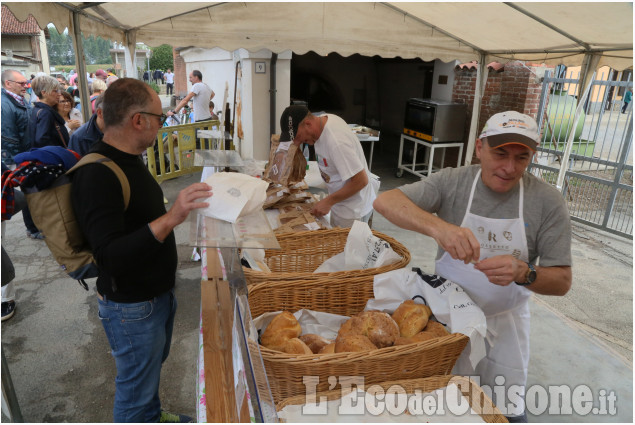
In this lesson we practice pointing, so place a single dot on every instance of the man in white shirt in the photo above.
(352, 188)
(200, 94)
(169, 80)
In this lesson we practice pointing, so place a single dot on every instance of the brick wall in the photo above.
(514, 88)
(180, 75)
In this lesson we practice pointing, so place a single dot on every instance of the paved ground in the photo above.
(63, 372)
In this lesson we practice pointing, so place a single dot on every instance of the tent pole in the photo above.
(589, 64)
(80, 63)
(567, 149)
(130, 54)
(481, 80)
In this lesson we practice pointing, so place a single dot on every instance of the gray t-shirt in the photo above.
(547, 221)
(200, 101)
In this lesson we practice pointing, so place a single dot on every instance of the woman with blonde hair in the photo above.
(98, 87)
(72, 116)
(46, 126)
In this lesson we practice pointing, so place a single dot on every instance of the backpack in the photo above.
(52, 213)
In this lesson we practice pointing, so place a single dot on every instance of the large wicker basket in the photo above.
(345, 297)
(480, 403)
(302, 253)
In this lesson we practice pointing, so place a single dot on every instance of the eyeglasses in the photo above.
(65, 101)
(22, 83)
(162, 117)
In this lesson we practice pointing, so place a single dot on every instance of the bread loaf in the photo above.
(376, 325)
(353, 343)
(282, 328)
(411, 317)
(436, 328)
(379, 327)
(314, 342)
(329, 349)
(295, 346)
(352, 326)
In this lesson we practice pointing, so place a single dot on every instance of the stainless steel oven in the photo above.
(435, 120)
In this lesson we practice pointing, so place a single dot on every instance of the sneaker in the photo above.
(167, 417)
(8, 310)
(36, 235)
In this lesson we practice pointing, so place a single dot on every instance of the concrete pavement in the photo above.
(63, 371)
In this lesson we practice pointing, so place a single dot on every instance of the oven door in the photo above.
(419, 120)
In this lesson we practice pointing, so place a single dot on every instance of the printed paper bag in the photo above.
(234, 195)
(450, 304)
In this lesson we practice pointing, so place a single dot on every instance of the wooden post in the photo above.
(218, 316)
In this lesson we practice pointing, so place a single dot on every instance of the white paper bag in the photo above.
(450, 304)
(234, 195)
(363, 250)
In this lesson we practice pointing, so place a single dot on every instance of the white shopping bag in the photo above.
(449, 303)
(234, 195)
(363, 250)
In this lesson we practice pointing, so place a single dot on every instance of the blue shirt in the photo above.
(85, 136)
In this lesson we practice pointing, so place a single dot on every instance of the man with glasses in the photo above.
(15, 115)
(135, 248)
(15, 121)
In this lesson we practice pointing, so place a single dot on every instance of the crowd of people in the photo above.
(45, 111)
(126, 116)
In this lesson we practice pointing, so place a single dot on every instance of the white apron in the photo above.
(506, 307)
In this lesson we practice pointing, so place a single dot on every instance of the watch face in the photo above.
(531, 274)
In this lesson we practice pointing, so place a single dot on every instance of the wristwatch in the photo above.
(530, 277)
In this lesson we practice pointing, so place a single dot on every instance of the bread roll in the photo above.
(283, 327)
(295, 346)
(436, 328)
(379, 327)
(420, 337)
(353, 343)
(411, 318)
(329, 349)
(314, 342)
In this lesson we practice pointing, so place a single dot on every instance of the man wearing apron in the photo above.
(340, 157)
(493, 222)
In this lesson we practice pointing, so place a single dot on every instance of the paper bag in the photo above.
(286, 163)
(234, 195)
(363, 250)
(450, 304)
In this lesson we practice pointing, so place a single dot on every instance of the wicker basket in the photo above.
(479, 401)
(345, 297)
(302, 253)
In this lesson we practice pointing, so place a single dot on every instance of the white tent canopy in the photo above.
(553, 33)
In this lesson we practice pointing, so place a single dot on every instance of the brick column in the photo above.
(180, 74)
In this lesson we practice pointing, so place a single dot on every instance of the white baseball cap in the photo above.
(511, 127)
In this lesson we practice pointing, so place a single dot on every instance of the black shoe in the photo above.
(8, 310)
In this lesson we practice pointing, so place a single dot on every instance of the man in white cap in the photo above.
(492, 223)
(342, 164)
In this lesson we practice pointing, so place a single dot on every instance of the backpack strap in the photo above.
(101, 159)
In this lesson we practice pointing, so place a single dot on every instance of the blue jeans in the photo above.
(139, 335)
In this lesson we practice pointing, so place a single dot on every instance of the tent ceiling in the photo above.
(541, 32)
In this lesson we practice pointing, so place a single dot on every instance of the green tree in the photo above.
(60, 48)
(162, 57)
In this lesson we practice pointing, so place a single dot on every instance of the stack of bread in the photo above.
(368, 330)
(287, 192)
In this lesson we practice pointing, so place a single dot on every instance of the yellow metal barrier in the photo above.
(176, 154)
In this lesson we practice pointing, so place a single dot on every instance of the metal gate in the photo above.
(598, 184)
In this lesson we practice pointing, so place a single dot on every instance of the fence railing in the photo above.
(173, 153)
